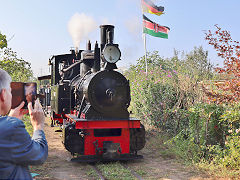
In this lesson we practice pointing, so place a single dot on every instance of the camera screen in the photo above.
(30, 92)
(26, 92)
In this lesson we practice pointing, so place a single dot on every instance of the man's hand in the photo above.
(18, 112)
(36, 115)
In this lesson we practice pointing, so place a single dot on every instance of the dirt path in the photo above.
(153, 166)
(160, 166)
(58, 165)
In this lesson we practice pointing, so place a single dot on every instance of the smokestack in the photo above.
(88, 45)
(76, 52)
(107, 34)
(96, 65)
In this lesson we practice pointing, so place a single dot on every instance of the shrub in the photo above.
(212, 136)
(154, 96)
(162, 96)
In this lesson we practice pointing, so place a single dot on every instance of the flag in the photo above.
(149, 7)
(154, 29)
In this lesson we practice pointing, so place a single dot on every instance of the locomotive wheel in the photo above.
(137, 138)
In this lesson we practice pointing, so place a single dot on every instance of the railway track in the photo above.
(135, 174)
(98, 172)
(103, 176)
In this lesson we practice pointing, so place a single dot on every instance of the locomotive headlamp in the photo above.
(111, 53)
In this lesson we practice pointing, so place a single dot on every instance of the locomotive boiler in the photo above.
(90, 100)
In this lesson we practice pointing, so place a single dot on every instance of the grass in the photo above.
(28, 125)
(115, 170)
(218, 171)
(91, 172)
(207, 167)
(156, 141)
(141, 172)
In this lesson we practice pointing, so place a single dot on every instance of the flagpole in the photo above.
(144, 39)
(146, 64)
(148, 6)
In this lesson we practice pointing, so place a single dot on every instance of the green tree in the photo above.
(197, 65)
(19, 69)
(3, 41)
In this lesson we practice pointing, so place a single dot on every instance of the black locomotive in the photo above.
(90, 100)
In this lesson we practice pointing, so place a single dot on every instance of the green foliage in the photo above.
(28, 125)
(213, 135)
(197, 65)
(230, 156)
(161, 97)
(170, 97)
(231, 118)
(185, 147)
(205, 124)
(148, 102)
(18, 69)
(204, 131)
(3, 41)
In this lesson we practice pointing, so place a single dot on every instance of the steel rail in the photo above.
(132, 172)
(98, 172)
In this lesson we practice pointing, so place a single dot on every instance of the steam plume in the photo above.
(80, 26)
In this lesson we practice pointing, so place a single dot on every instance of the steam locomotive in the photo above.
(90, 100)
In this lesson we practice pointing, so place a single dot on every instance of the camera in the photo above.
(26, 92)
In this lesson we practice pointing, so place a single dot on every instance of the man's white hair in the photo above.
(5, 80)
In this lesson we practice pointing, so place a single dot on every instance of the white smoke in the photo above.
(106, 21)
(80, 26)
(134, 26)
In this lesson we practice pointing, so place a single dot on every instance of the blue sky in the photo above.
(40, 28)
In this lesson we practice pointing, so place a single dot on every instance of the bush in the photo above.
(213, 136)
(204, 131)
(231, 154)
(162, 96)
(206, 125)
(154, 97)
(185, 147)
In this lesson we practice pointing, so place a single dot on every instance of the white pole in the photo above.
(144, 37)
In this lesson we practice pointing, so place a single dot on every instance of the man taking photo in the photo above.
(17, 149)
